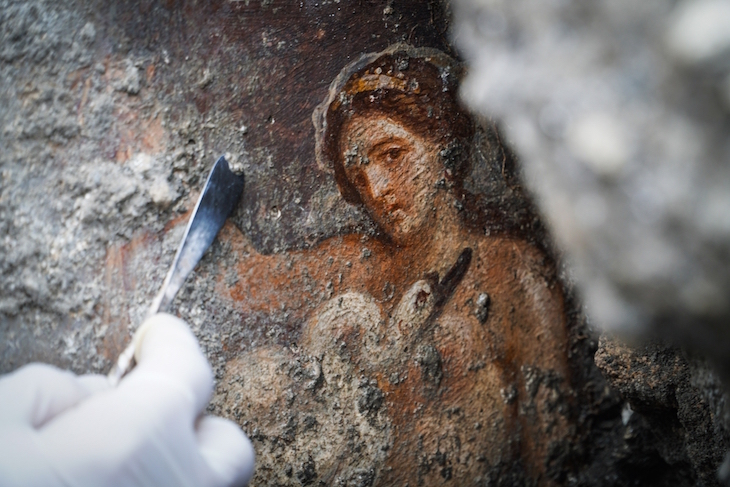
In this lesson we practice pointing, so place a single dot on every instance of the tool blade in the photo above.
(221, 193)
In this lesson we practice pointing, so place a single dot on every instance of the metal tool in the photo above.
(221, 193)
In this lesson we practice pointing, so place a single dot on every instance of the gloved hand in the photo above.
(59, 429)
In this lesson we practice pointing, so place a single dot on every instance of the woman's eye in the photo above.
(393, 154)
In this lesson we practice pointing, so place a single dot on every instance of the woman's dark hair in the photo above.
(416, 87)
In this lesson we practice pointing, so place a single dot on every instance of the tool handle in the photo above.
(125, 363)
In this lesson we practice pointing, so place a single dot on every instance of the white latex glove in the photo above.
(58, 429)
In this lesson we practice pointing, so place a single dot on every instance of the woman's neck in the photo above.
(440, 242)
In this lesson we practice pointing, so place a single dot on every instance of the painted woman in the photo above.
(434, 347)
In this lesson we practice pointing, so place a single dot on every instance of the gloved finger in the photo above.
(168, 353)
(226, 450)
(36, 393)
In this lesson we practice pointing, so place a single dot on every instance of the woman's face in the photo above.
(394, 170)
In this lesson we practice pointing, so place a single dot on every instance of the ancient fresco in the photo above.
(351, 332)
(429, 345)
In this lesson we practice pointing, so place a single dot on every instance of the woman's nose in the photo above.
(379, 181)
